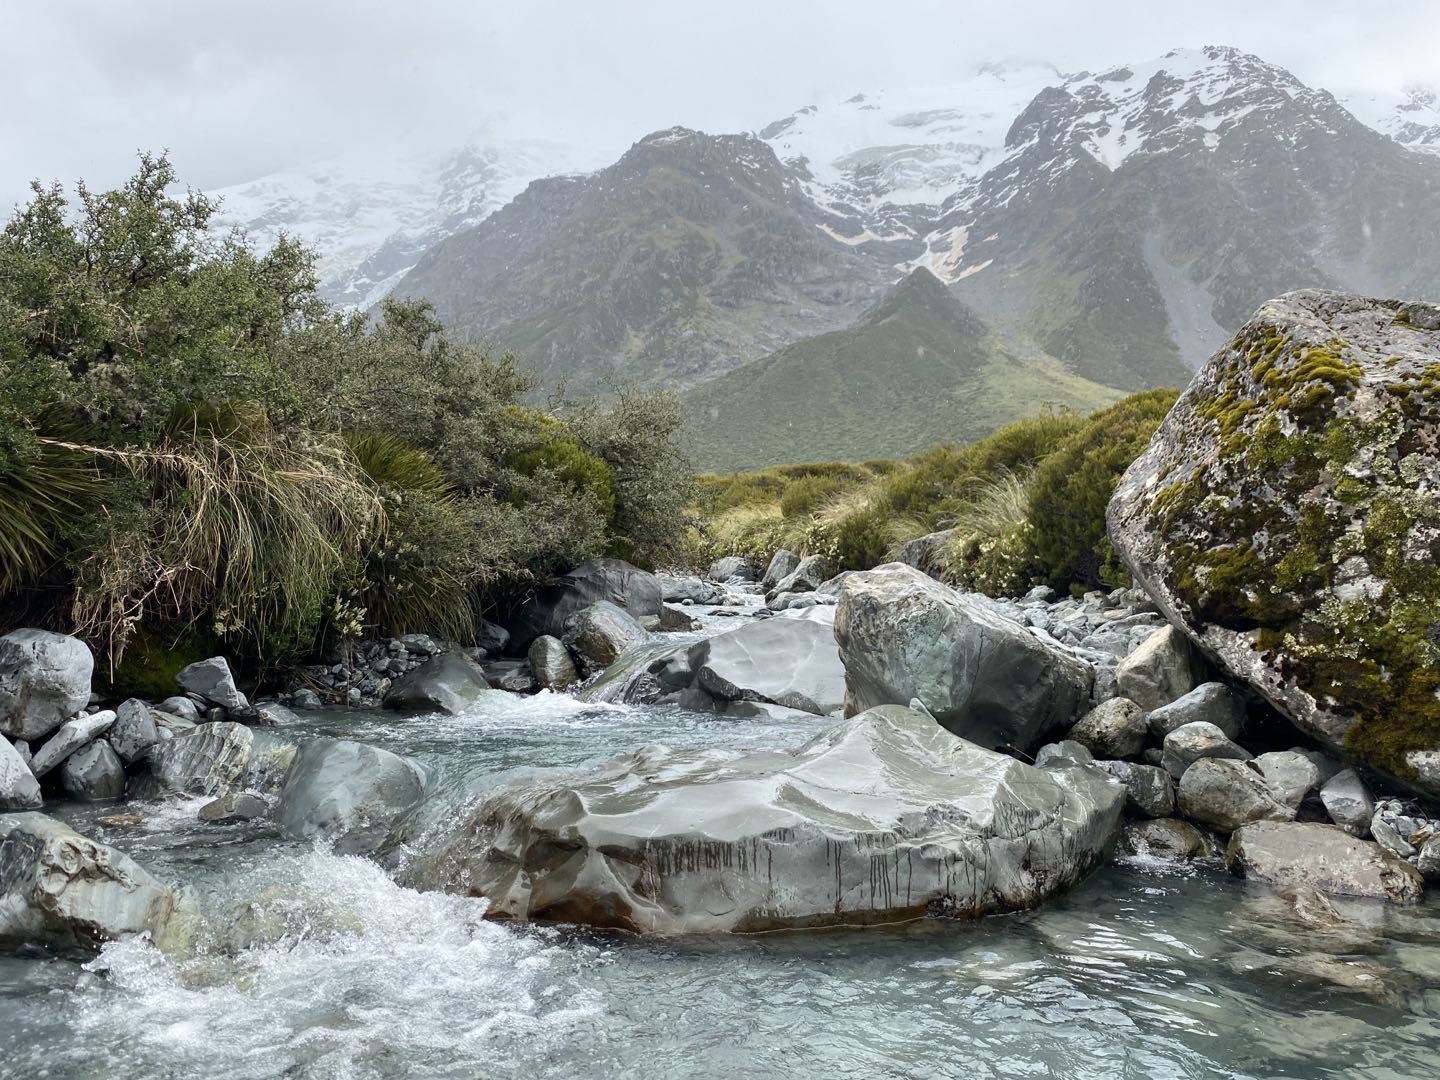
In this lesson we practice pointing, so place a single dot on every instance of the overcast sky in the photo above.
(238, 88)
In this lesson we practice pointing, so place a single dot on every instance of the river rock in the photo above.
(732, 568)
(1190, 743)
(19, 790)
(183, 707)
(1061, 754)
(1166, 838)
(809, 574)
(903, 635)
(782, 565)
(927, 553)
(1348, 801)
(450, 684)
(93, 773)
(71, 736)
(1225, 794)
(492, 637)
(688, 590)
(881, 818)
(1291, 777)
(1293, 854)
(1287, 515)
(237, 806)
(1386, 835)
(673, 620)
(347, 792)
(598, 635)
(1211, 702)
(1113, 729)
(134, 730)
(1149, 792)
(64, 891)
(789, 662)
(546, 610)
(1429, 861)
(1163, 669)
(44, 681)
(213, 681)
(215, 759)
(552, 664)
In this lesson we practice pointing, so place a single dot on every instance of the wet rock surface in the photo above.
(1325, 857)
(450, 683)
(885, 816)
(44, 681)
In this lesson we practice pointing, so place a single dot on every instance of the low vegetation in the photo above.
(1024, 506)
(196, 452)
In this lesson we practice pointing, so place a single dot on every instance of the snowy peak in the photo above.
(1411, 117)
(369, 220)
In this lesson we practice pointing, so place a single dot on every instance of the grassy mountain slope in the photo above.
(920, 368)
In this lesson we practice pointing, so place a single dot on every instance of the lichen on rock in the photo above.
(1287, 515)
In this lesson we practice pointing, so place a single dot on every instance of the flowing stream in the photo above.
(318, 965)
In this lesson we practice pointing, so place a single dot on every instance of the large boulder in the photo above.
(790, 662)
(1286, 515)
(19, 790)
(881, 818)
(213, 681)
(1186, 745)
(600, 633)
(1295, 854)
(451, 683)
(547, 609)
(927, 553)
(135, 730)
(809, 574)
(62, 890)
(903, 635)
(732, 568)
(44, 681)
(1348, 801)
(347, 792)
(688, 590)
(1113, 729)
(1149, 791)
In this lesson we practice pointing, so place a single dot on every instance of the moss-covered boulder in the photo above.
(1287, 517)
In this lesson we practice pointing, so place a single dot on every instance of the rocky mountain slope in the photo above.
(920, 368)
(689, 256)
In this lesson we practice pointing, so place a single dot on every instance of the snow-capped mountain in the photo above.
(1412, 118)
(879, 158)
(369, 220)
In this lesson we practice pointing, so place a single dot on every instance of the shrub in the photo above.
(804, 495)
(1072, 487)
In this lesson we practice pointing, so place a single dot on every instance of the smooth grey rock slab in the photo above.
(903, 635)
(71, 736)
(552, 664)
(1294, 854)
(215, 759)
(347, 792)
(1291, 777)
(44, 681)
(790, 662)
(19, 790)
(1225, 794)
(451, 683)
(181, 706)
(1210, 703)
(883, 817)
(1061, 754)
(213, 681)
(93, 773)
(62, 890)
(237, 806)
(1163, 669)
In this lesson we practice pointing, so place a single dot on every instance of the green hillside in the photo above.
(921, 368)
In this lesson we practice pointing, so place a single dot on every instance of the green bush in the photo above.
(807, 494)
(1072, 487)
